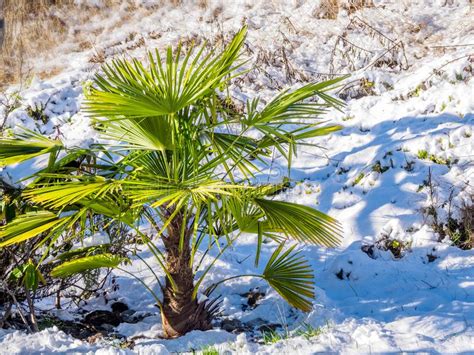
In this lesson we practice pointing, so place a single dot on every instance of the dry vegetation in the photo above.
(329, 9)
(33, 28)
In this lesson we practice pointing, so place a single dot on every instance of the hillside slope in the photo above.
(406, 149)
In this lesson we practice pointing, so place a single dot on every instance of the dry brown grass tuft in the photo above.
(355, 5)
(466, 227)
(34, 28)
(329, 9)
(30, 27)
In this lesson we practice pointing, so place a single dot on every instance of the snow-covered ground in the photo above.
(371, 176)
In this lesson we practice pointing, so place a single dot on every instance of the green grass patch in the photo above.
(358, 179)
(308, 331)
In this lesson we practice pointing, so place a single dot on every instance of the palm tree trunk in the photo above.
(181, 313)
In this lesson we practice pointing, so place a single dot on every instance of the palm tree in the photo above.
(181, 160)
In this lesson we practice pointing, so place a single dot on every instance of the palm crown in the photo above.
(177, 157)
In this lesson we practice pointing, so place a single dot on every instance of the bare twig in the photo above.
(17, 304)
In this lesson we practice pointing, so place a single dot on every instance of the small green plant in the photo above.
(379, 168)
(348, 117)
(209, 350)
(443, 106)
(367, 86)
(417, 91)
(308, 331)
(461, 230)
(37, 113)
(422, 154)
(459, 224)
(398, 248)
(30, 276)
(358, 179)
(441, 161)
(271, 336)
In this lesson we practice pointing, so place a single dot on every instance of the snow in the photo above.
(377, 303)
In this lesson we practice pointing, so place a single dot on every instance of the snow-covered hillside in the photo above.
(407, 147)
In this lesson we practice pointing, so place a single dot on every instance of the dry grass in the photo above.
(31, 27)
(466, 228)
(329, 9)
(34, 28)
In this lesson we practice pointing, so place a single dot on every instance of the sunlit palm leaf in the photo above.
(112, 208)
(158, 193)
(239, 150)
(29, 225)
(78, 265)
(60, 194)
(289, 106)
(129, 90)
(150, 133)
(298, 135)
(27, 146)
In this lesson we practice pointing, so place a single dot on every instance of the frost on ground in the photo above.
(392, 286)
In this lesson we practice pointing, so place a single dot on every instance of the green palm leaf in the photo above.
(75, 266)
(29, 225)
(303, 223)
(58, 195)
(150, 133)
(128, 90)
(28, 145)
(289, 106)
(160, 192)
(291, 276)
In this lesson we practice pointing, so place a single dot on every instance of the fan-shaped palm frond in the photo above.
(29, 225)
(289, 106)
(148, 133)
(303, 223)
(26, 146)
(57, 195)
(161, 192)
(128, 90)
(290, 274)
(252, 213)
